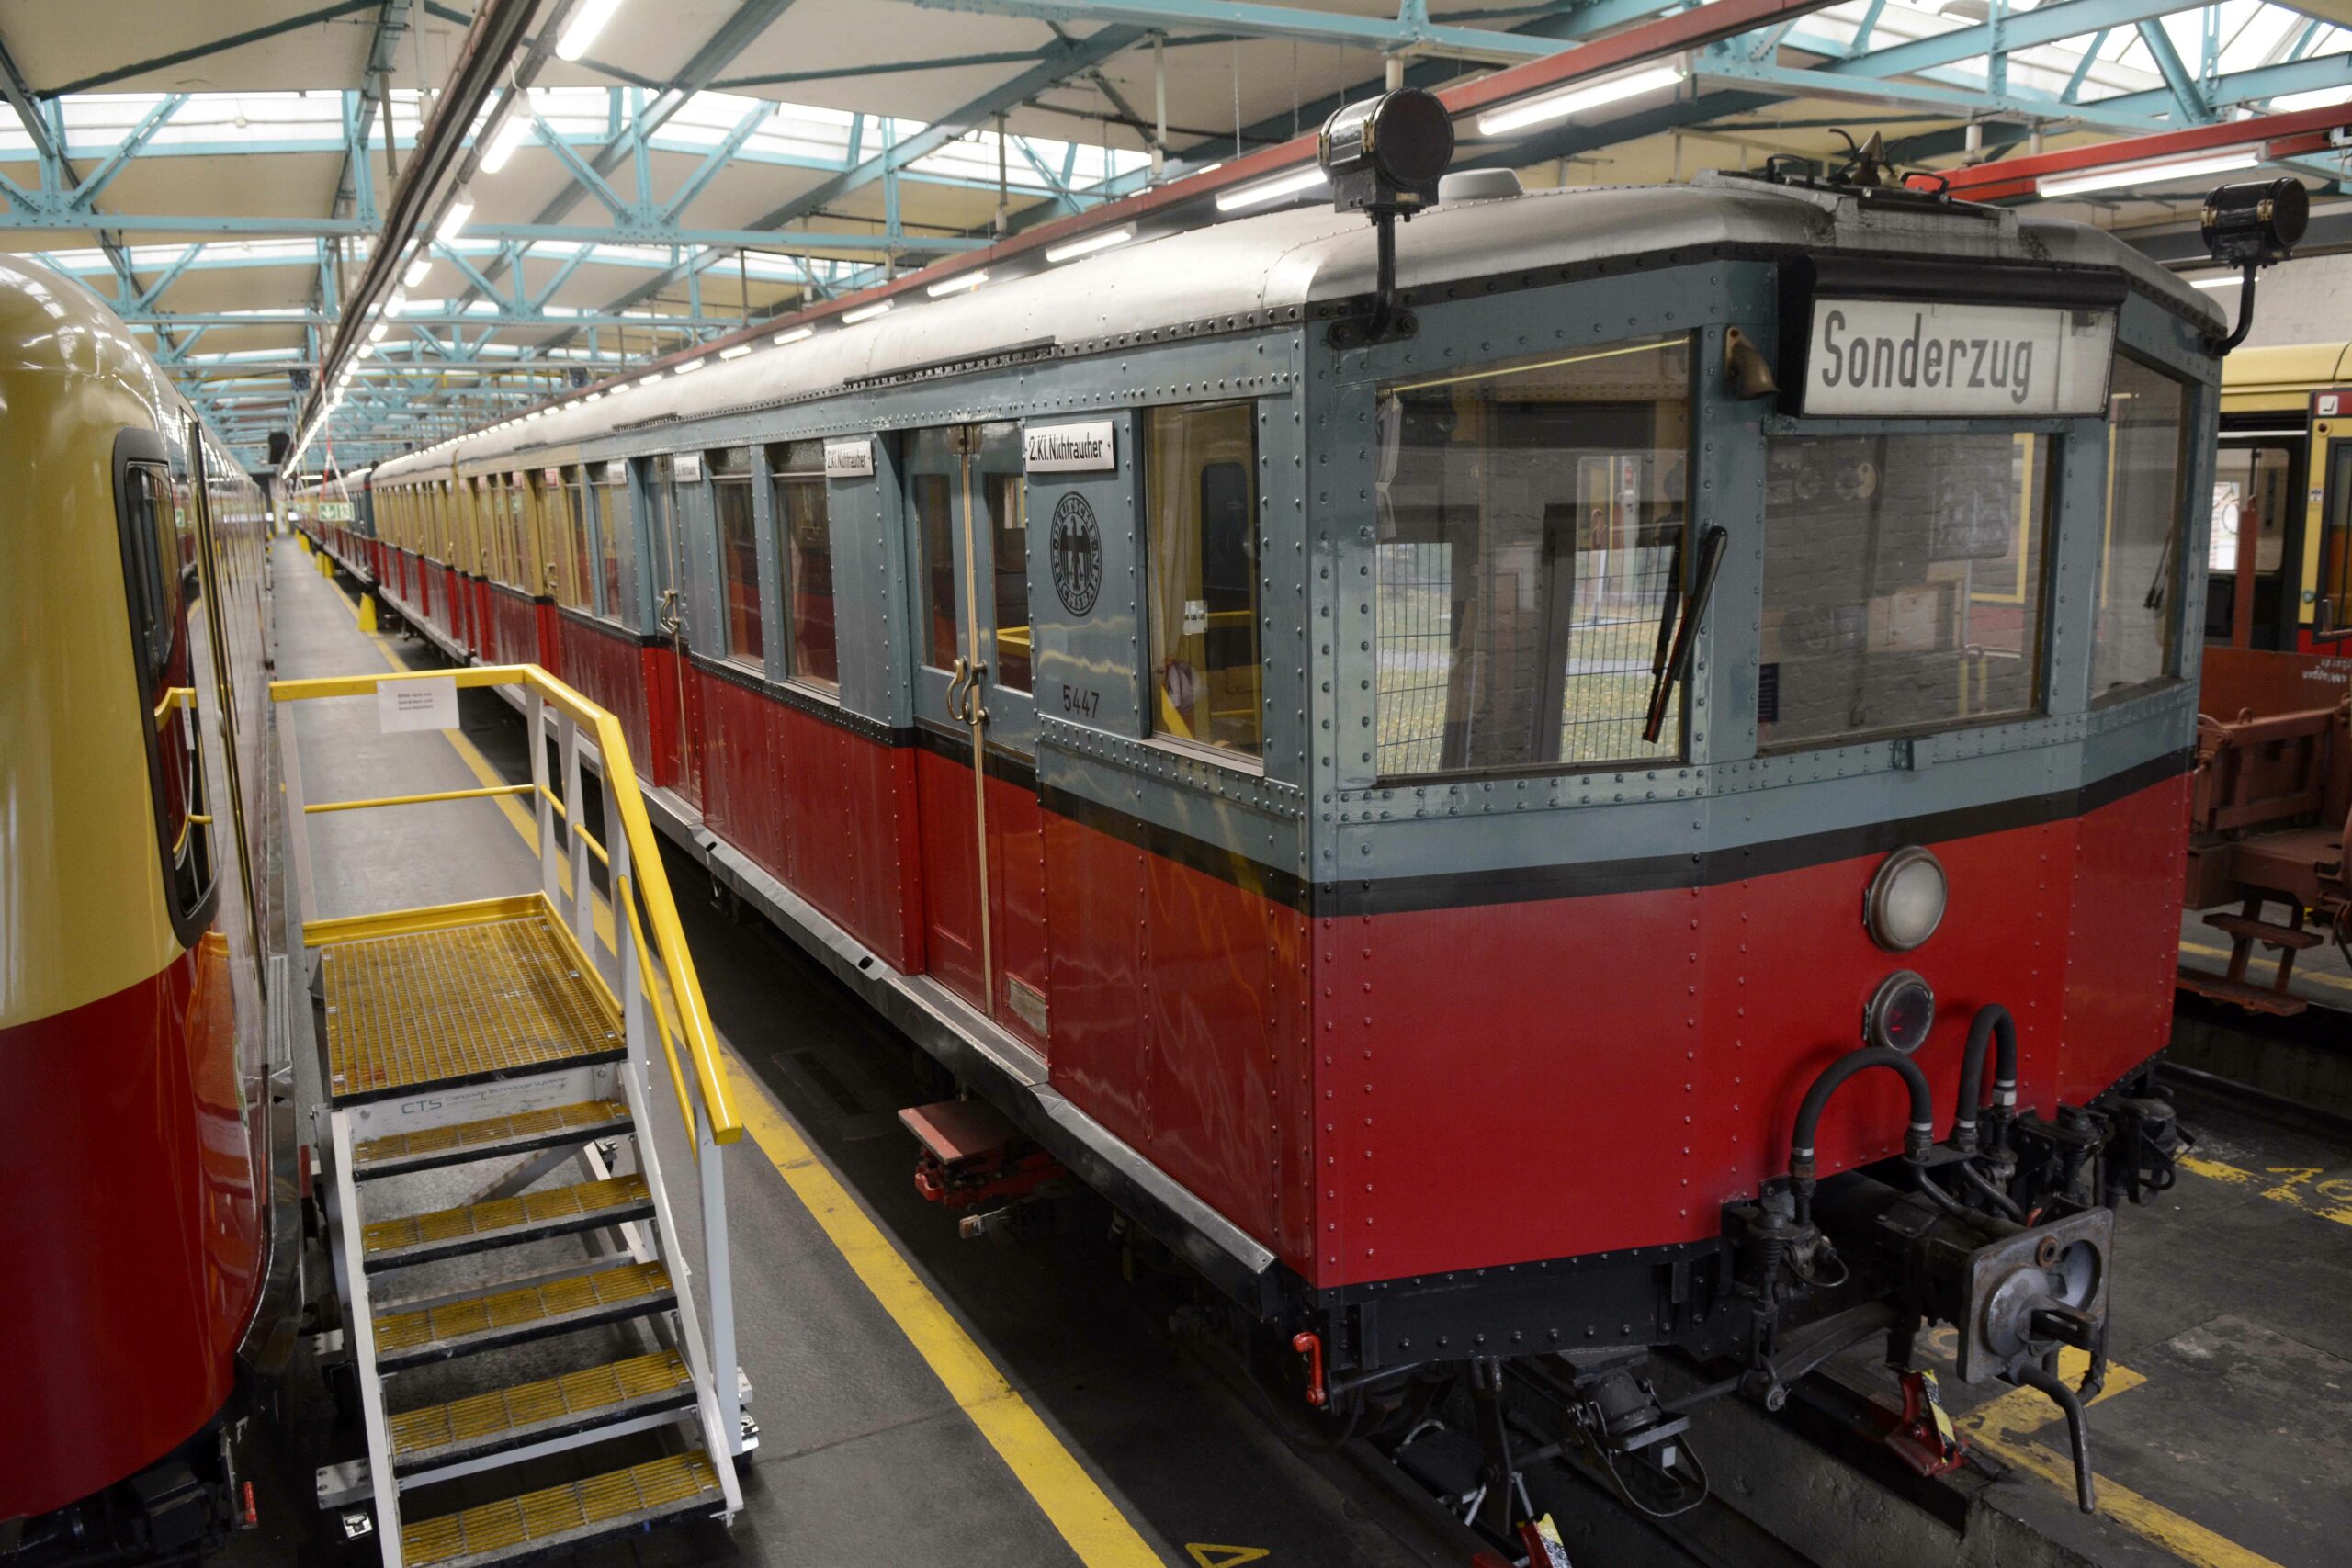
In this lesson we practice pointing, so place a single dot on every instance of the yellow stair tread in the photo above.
(485, 1417)
(490, 1130)
(556, 1513)
(461, 1002)
(549, 1206)
(520, 1308)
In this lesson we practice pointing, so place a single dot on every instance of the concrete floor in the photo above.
(2226, 1440)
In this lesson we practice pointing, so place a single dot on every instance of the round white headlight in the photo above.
(1906, 902)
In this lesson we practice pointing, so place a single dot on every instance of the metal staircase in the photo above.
(495, 1207)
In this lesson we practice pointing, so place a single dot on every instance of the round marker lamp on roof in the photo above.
(1387, 151)
(1385, 158)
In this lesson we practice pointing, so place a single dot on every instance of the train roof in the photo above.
(1269, 268)
(2294, 367)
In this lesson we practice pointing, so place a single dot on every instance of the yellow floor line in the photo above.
(2308, 1188)
(2316, 976)
(1096, 1529)
(1078, 1508)
(2009, 1427)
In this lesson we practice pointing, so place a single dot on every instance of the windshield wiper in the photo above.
(1666, 673)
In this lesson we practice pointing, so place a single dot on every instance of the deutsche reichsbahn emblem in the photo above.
(1077, 554)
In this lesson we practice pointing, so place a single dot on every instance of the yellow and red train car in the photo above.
(141, 1122)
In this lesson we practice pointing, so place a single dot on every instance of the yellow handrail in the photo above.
(417, 799)
(669, 935)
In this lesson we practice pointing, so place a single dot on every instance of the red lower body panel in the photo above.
(603, 665)
(133, 1227)
(1500, 1084)
(828, 812)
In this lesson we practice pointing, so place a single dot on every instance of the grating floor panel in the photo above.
(559, 1514)
(507, 1416)
(461, 1325)
(458, 1005)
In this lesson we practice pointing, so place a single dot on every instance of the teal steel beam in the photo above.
(1066, 62)
(1408, 32)
(2177, 81)
(882, 68)
(171, 275)
(2083, 67)
(103, 176)
(748, 21)
(581, 172)
(1826, 82)
(718, 158)
(217, 46)
(2013, 30)
(2257, 85)
(1860, 43)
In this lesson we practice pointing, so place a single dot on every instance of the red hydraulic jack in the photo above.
(972, 1155)
(1922, 1436)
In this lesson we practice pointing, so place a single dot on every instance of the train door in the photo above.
(982, 837)
(2254, 553)
(666, 549)
(2331, 558)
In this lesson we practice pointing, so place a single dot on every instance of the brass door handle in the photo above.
(955, 687)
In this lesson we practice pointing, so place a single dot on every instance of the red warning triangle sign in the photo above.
(1209, 1556)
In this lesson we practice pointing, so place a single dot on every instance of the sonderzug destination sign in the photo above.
(1883, 359)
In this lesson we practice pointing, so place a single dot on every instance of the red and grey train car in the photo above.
(144, 1111)
(1427, 802)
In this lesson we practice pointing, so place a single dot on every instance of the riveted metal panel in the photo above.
(1089, 632)
(872, 610)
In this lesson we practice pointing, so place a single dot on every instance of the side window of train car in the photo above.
(1532, 522)
(1902, 582)
(609, 487)
(568, 491)
(738, 556)
(159, 564)
(804, 530)
(2138, 608)
(1201, 544)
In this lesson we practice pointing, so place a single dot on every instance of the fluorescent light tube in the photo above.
(867, 313)
(1090, 244)
(2126, 174)
(795, 336)
(1259, 195)
(737, 352)
(461, 209)
(688, 368)
(1577, 99)
(511, 131)
(585, 25)
(963, 284)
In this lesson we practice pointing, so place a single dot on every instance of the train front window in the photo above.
(2141, 570)
(1531, 519)
(1903, 584)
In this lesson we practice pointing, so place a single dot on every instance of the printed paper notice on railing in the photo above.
(429, 704)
